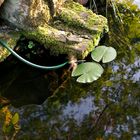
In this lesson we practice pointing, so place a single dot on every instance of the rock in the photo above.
(25, 13)
(10, 37)
(60, 42)
(80, 18)
(73, 30)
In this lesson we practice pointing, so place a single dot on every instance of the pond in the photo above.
(53, 106)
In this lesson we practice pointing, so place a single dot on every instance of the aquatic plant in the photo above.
(91, 71)
(31, 44)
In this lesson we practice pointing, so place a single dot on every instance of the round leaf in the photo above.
(88, 72)
(98, 53)
(109, 55)
(106, 54)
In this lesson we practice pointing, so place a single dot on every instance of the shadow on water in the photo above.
(105, 109)
(23, 84)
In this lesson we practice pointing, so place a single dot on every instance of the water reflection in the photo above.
(108, 108)
(137, 2)
(77, 111)
(87, 112)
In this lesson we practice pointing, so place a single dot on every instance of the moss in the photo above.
(75, 18)
(95, 37)
(52, 39)
(38, 14)
(76, 15)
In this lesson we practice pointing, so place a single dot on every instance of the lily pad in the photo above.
(106, 54)
(88, 72)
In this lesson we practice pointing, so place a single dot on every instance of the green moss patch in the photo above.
(74, 14)
(60, 42)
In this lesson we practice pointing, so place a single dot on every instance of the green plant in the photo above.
(31, 44)
(91, 71)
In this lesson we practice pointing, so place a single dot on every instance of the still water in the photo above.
(53, 106)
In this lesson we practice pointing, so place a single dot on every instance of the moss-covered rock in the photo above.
(11, 38)
(74, 14)
(61, 42)
(76, 31)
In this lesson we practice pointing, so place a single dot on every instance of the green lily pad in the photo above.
(106, 54)
(88, 72)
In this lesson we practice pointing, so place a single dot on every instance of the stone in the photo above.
(60, 42)
(63, 26)
(10, 37)
(25, 13)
